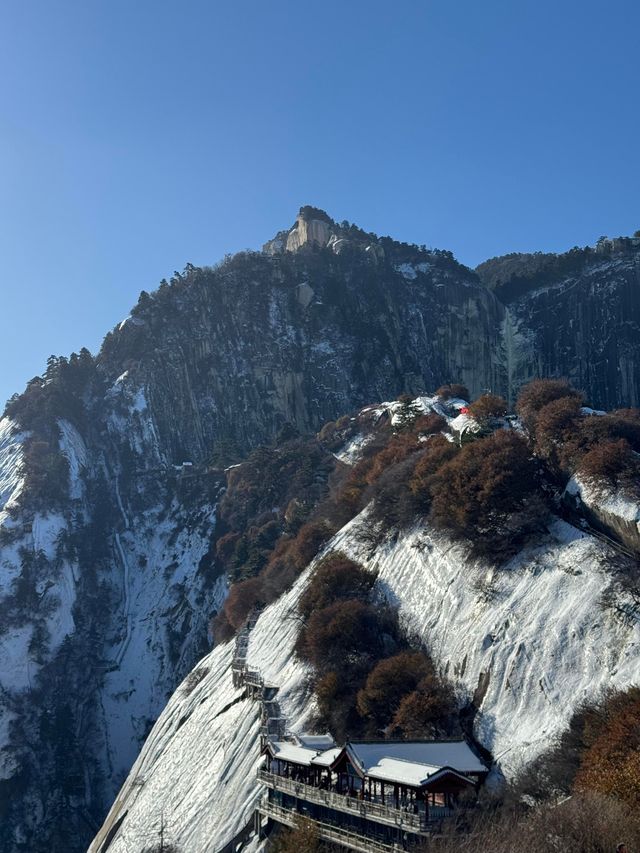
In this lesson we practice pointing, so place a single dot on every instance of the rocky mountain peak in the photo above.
(313, 226)
(309, 229)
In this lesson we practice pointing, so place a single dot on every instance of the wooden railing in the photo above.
(328, 832)
(361, 808)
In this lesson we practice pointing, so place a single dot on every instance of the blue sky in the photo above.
(137, 135)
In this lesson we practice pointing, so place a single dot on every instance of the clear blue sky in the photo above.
(137, 135)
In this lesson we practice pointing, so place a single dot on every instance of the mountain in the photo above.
(525, 643)
(112, 467)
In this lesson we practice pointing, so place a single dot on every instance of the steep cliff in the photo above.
(575, 315)
(111, 467)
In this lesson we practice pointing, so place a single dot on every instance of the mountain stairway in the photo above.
(273, 723)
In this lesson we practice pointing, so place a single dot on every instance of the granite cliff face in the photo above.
(575, 315)
(110, 467)
(228, 355)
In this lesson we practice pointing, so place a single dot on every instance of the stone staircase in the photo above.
(273, 723)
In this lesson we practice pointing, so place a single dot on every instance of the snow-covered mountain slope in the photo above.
(527, 644)
(529, 641)
(197, 771)
(104, 609)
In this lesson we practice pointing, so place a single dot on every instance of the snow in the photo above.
(607, 500)
(456, 754)
(535, 632)
(130, 321)
(422, 405)
(130, 417)
(154, 598)
(402, 772)
(11, 479)
(350, 453)
(326, 758)
(198, 766)
(407, 271)
(8, 764)
(410, 271)
(284, 751)
(464, 423)
(45, 530)
(139, 403)
(315, 741)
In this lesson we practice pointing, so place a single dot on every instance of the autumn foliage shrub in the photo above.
(429, 424)
(611, 463)
(335, 577)
(242, 598)
(619, 424)
(584, 823)
(336, 696)
(453, 391)
(404, 691)
(539, 393)
(487, 408)
(308, 542)
(421, 484)
(302, 838)
(488, 493)
(596, 754)
(599, 447)
(556, 424)
(397, 450)
(392, 504)
(389, 682)
(343, 637)
(426, 712)
(610, 763)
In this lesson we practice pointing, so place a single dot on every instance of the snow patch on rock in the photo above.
(612, 501)
(11, 478)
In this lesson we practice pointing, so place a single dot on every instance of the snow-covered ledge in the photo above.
(611, 508)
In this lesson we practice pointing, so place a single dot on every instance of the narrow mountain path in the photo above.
(273, 723)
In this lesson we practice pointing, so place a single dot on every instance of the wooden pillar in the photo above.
(396, 795)
(382, 789)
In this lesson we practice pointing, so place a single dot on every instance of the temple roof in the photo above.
(326, 758)
(317, 742)
(435, 754)
(285, 751)
(402, 772)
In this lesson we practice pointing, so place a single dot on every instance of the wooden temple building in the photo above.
(368, 796)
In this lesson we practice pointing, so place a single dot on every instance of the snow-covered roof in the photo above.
(456, 754)
(464, 423)
(402, 772)
(316, 742)
(284, 751)
(326, 758)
